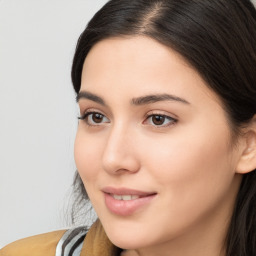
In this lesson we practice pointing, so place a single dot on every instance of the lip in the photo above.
(126, 191)
(126, 208)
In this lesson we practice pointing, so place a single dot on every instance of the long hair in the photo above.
(218, 39)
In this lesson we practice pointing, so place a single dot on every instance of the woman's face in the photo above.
(153, 147)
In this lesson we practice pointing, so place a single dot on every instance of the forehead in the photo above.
(128, 51)
(142, 65)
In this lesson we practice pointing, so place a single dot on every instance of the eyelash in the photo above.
(87, 115)
(172, 120)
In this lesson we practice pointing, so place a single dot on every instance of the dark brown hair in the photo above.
(218, 38)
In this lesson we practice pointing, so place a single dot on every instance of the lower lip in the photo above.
(126, 208)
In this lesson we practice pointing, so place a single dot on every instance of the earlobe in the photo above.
(247, 162)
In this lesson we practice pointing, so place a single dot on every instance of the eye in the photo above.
(160, 120)
(94, 118)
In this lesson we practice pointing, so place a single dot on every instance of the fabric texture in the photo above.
(71, 242)
(96, 243)
(40, 245)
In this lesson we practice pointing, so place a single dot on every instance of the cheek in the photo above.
(182, 158)
(192, 174)
(192, 166)
(87, 156)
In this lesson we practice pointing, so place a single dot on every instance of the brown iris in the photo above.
(97, 118)
(158, 120)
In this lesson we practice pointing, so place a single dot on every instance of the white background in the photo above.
(37, 112)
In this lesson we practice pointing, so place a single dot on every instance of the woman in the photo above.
(166, 141)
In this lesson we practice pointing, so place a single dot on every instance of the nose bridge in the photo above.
(119, 154)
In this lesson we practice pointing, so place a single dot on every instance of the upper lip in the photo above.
(126, 191)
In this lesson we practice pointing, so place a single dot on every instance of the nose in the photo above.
(119, 155)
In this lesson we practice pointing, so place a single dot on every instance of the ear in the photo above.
(247, 161)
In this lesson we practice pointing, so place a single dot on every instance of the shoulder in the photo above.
(39, 245)
(63, 242)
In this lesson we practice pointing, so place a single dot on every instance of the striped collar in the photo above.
(71, 242)
(79, 242)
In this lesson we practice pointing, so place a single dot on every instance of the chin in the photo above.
(128, 240)
(126, 243)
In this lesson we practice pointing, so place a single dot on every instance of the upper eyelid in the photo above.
(161, 113)
(165, 116)
(91, 110)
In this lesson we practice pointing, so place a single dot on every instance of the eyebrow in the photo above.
(90, 96)
(143, 100)
(156, 98)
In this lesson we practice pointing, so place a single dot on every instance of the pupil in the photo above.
(158, 120)
(97, 118)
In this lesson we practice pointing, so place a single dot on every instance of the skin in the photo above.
(191, 163)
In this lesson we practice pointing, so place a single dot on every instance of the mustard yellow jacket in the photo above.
(96, 243)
